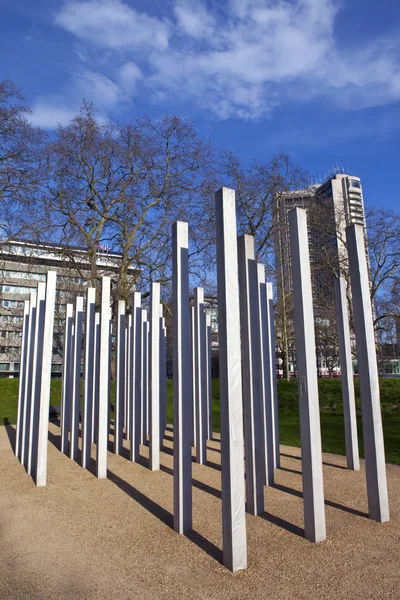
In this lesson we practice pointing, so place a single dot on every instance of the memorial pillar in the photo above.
(119, 378)
(346, 371)
(102, 376)
(250, 340)
(232, 467)
(45, 380)
(154, 378)
(181, 379)
(310, 430)
(374, 451)
(66, 379)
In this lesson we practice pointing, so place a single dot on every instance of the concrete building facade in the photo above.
(22, 265)
(331, 207)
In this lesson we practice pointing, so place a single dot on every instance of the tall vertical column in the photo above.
(76, 378)
(374, 451)
(193, 376)
(346, 370)
(310, 430)
(104, 332)
(201, 376)
(96, 366)
(181, 379)
(164, 370)
(154, 378)
(265, 373)
(208, 378)
(36, 371)
(22, 377)
(136, 366)
(66, 379)
(232, 467)
(25, 426)
(274, 386)
(128, 381)
(162, 376)
(119, 378)
(250, 330)
(87, 403)
(45, 379)
(145, 377)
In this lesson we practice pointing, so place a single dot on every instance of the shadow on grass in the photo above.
(353, 511)
(326, 464)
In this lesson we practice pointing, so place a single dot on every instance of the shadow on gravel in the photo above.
(293, 492)
(289, 470)
(283, 524)
(204, 487)
(11, 432)
(324, 463)
(164, 516)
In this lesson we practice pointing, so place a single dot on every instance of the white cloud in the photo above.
(58, 109)
(192, 19)
(47, 113)
(238, 59)
(96, 88)
(112, 24)
(128, 76)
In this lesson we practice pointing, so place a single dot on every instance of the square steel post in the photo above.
(208, 377)
(265, 373)
(76, 378)
(87, 403)
(154, 378)
(102, 375)
(181, 379)
(346, 370)
(162, 377)
(66, 379)
(45, 380)
(232, 459)
(250, 339)
(310, 430)
(22, 377)
(96, 366)
(374, 451)
(200, 376)
(145, 377)
(119, 378)
(274, 386)
(36, 372)
(128, 380)
(193, 417)
(136, 367)
(25, 429)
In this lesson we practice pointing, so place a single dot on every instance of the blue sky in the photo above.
(319, 79)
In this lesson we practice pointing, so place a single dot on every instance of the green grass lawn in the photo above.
(331, 410)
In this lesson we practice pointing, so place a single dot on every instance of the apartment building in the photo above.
(22, 265)
(331, 207)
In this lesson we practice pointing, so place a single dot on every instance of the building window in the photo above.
(4, 366)
(355, 184)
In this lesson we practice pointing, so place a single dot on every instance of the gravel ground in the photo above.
(84, 538)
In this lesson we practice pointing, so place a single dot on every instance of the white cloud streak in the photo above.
(239, 61)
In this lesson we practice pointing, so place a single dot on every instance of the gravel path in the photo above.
(84, 538)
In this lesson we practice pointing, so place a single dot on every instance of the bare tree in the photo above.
(21, 165)
(121, 186)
